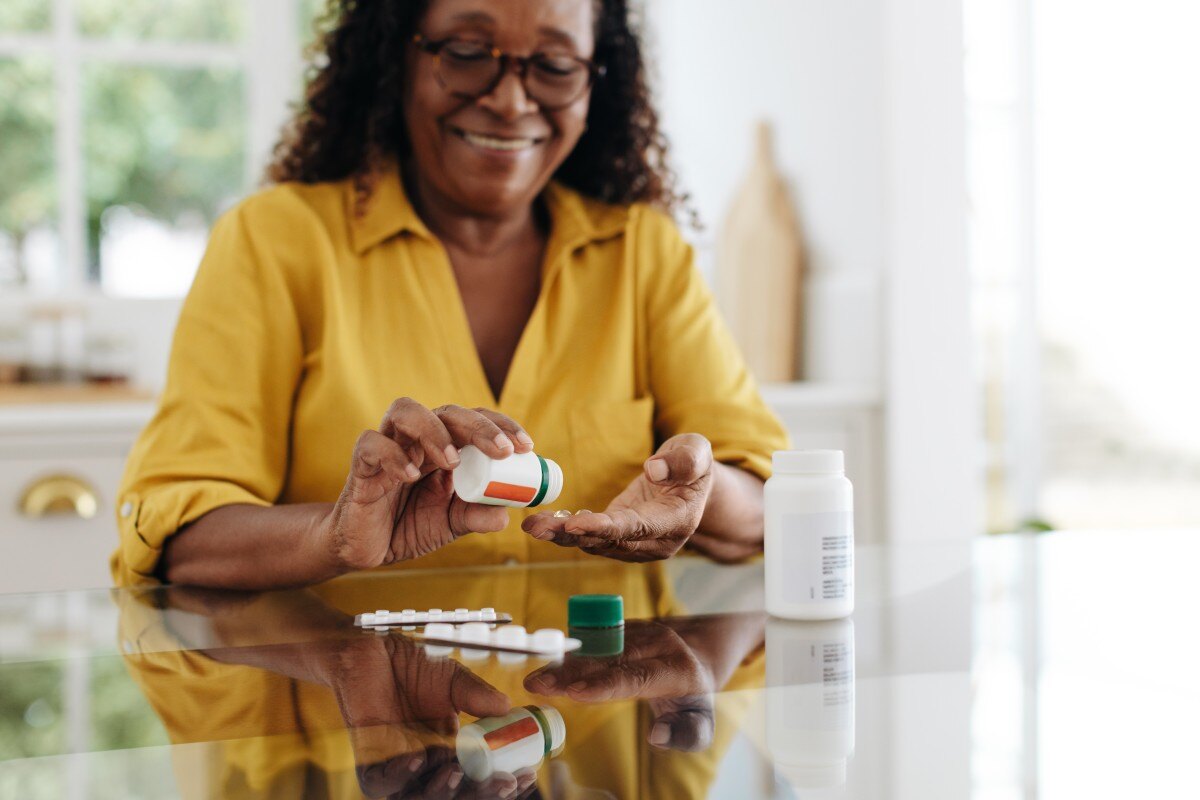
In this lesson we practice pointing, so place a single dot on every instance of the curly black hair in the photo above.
(352, 118)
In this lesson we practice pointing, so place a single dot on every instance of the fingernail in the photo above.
(416, 764)
(455, 779)
(523, 438)
(577, 686)
(656, 468)
(503, 442)
(412, 472)
(451, 455)
(548, 680)
(660, 734)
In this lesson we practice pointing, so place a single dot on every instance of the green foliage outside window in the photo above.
(168, 141)
(163, 20)
(24, 15)
(27, 191)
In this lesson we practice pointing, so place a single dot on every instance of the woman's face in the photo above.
(450, 136)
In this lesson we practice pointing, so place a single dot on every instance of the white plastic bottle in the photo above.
(809, 537)
(521, 480)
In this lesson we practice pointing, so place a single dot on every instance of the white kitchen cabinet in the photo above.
(82, 448)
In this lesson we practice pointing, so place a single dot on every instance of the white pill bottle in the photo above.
(809, 538)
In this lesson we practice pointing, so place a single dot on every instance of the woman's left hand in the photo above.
(652, 518)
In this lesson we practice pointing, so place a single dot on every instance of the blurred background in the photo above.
(995, 201)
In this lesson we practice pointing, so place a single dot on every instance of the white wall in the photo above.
(866, 97)
(814, 68)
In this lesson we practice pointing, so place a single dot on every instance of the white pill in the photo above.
(474, 616)
(474, 632)
(368, 619)
(381, 612)
(381, 630)
(408, 628)
(488, 613)
(512, 636)
(434, 611)
(408, 612)
(438, 650)
(547, 640)
(469, 653)
(439, 630)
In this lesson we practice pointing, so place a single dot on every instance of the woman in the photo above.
(467, 216)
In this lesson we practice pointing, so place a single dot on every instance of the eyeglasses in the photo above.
(471, 70)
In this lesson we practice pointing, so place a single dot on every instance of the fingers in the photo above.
(682, 459)
(474, 695)
(521, 440)
(492, 432)
(419, 431)
(476, 517)
(375, 453)
(566, 531)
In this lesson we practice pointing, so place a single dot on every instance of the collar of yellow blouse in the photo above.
(576, 220)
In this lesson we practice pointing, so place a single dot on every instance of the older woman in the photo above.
(467, 236)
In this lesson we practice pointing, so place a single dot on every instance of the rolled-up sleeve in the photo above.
(697, 375)
(221, 432)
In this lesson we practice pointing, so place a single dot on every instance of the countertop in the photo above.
(1051, 666)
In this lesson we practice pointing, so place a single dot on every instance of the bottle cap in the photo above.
(809, 462)
(595, 611)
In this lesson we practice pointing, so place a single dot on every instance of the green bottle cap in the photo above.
(595, 611)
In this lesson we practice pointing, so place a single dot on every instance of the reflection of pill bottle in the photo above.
(520, 480)
(518, 740)
(598, 622)
(808, 549)
(810, 700)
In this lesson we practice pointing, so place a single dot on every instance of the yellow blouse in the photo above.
(305, 321)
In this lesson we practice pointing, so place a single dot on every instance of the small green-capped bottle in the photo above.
(598, 621)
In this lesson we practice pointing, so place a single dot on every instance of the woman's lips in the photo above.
(497, 143)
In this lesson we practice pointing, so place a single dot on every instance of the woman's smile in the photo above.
(498, 143)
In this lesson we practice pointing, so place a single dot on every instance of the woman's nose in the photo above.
(509, 99)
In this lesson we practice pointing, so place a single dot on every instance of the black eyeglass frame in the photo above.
(434, 48)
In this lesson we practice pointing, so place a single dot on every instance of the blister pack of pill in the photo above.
(475, 639)
(410, 617)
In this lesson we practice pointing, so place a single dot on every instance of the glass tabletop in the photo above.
(1015, 666)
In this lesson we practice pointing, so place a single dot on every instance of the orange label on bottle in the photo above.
(513, 732)
(509, 491)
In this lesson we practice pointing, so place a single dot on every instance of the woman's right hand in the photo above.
(399, 502)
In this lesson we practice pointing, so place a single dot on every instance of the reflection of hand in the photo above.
(656, 665)
(652, 518)
(401, 708)
(398, 502)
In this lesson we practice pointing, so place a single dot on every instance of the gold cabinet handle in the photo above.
(57, 495)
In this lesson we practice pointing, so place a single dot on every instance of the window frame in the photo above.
(268, 56)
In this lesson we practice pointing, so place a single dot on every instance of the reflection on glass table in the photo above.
(1027, 667)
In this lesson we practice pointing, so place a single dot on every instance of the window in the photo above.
(1084, 201)
(128, 126)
